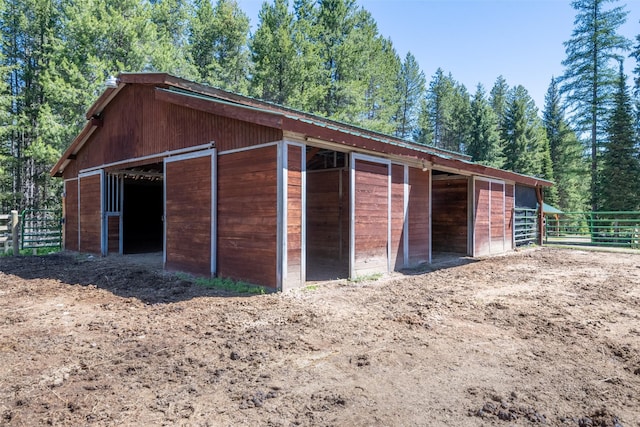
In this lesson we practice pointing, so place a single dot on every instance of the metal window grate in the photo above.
(112, 194)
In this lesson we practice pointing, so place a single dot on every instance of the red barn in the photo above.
(228, 185)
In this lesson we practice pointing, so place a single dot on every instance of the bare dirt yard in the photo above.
(543, 336)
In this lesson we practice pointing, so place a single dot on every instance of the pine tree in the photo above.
(170, 19)
(381, 98)
(218, 39)
(423, 134)
(570, 170)
(523, 135)
(484, 143)
(276, 65)
(410, 87)
(589, 79)
(449, 112)
(619, 185)
(498, 97)
(29, 34)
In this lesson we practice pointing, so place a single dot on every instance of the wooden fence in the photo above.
(10, 233)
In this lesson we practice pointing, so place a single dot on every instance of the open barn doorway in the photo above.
(142, 209)
(327, 215)
(450, 214)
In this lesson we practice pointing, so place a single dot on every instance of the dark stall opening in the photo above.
(449, 214)
(327, 215)
(143, 208)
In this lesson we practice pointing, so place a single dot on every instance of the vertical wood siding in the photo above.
(497, 217)
(90, 216)
(188, 215)
(324, 214)
(247, 215)
(371, 217)
(481, 219)
(70, 206)
(113, 234)
(419, 242)
(509, 206)
(137, 125)
(449, 219)
(294, 216)
(397, 217)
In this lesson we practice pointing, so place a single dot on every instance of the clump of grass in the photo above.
(366, 278)
(310, 288)
(224, 284)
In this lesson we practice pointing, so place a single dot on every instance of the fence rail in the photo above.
(613, 229)
(525, 226)
(9, 232)
(40, 229)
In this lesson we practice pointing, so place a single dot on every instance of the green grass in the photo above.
(310, 288)
(366, 278)
(224, 284)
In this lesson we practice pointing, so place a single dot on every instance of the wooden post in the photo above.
(15, 232)
(540, 215)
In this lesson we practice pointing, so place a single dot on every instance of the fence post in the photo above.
(15, 235)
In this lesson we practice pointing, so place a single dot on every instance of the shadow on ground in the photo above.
(128, 277)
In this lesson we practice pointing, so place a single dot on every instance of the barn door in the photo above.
(90, 212)
(189, 212)
(370, 215)
(490, 217)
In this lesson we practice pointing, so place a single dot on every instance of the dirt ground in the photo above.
(544, 336)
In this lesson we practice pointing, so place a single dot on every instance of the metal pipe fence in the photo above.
(525, 226)
(612, 229)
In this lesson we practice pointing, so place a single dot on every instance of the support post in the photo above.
(540, 215)
(15, 235)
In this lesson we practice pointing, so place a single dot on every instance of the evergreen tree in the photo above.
(484, 143)
(423, 134)
(410, 87)
(619, 186)
(276, 66)
(381, 98)
(524, 135)
(29, 34)
(569, 167)
(498, 97)
(449, 112)
(170, 19)
(218, 38)
(589, 79)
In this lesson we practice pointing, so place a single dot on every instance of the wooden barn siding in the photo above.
(498, 224)
(113, 234)
(188, 215)
(450, 215)
(418, 216)
(70, 206)
(509, 206)
(90, 217)
(397, 217)
(324, 214)
(247, 215)
(294, 216)
(137, 125)
(481, 219)
(371, 217)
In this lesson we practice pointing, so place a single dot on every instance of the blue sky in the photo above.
(478, 40)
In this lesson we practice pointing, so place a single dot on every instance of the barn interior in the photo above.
(327, 215)
(142, 209)
(449, 213)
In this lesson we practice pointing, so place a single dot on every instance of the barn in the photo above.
(225, 185)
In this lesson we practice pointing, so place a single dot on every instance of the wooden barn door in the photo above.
(491, 217)
(189, 212)
(90, 212)
(370, 215)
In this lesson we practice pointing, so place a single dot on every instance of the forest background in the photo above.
(325, 57)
